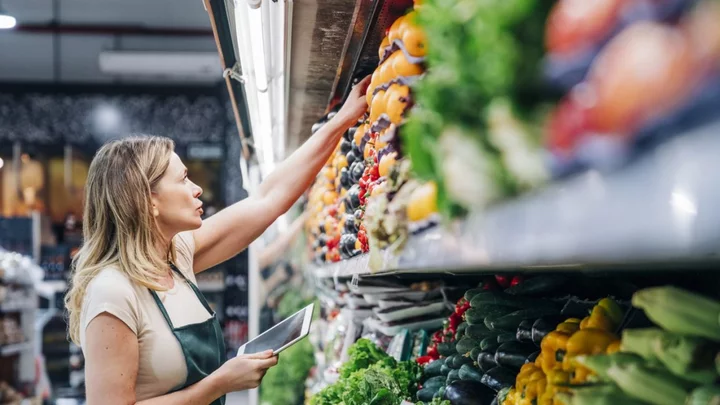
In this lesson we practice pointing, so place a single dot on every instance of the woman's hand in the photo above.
(245, 371)
(355, 105)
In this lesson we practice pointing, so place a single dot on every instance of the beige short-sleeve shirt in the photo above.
(161, 365)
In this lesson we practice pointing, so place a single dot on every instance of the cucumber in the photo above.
(449, 361)
(444, 369)
(469, 294)
(466, 344)
(453, 376)
(486, 361)
(524, 331)
(511, 321)
(476, 316)
(538, 285)
(446, 349)
(461, 330)
(433, 368)
(459, 361)
(468, 372)
(425, 395)
(434, 383)
(506, 337)
(496, 298)
(474, 353)
(498, 378)
(440, 393)
(489, 343)
(513, 355)
(479, 331)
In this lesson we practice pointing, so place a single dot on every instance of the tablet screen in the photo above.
(279, 335)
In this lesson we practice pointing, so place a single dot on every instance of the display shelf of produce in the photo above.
(660, 208)
(15, 348)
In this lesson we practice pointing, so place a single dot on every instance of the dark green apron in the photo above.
(202, 343)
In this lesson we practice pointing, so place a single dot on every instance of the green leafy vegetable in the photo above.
(371, 377)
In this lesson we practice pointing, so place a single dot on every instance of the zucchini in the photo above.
(459, 361)
(453, 376)
(486, 361)
(466, 344)
(511, 321)
(461, 330)
(542, 326)
(498, 378)
(524, 331)
(489, 343)
(538, 285)
(513, 355)
(444, 369)
(479, 331)
(506, 337)
(432, 369)
(468, 372)
(434, 383)
(476, 315)
(425, 395)
(446, 348)
(469, 294)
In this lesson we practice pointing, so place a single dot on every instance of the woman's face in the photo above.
(177, 206)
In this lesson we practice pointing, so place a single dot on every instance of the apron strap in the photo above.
(197, 292)
(162, 308)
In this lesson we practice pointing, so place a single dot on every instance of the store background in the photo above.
(57, 106)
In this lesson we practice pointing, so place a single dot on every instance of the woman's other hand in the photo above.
(355, 105)
(245, 371)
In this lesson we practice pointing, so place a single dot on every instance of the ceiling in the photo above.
(60, 40)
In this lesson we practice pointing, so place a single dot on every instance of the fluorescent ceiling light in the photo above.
(200, 65)
(7, 21)
(258, 48)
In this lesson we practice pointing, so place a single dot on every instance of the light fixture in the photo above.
(262, 31)
(187, 65)
(6, 20)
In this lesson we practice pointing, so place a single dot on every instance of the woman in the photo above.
(147, 334)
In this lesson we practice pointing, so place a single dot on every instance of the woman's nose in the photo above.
(197, 191)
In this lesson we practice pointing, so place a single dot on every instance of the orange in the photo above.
(414, 40)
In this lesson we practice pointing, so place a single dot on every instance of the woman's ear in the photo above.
(155, 204)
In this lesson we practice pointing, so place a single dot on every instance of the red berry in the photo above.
(516, 280)
(504, 281)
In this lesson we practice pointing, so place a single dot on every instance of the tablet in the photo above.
(282, 335)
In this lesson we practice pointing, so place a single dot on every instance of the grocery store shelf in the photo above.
(661, 208)
(9, 350)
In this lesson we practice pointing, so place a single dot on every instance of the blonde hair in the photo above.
(119, 228)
